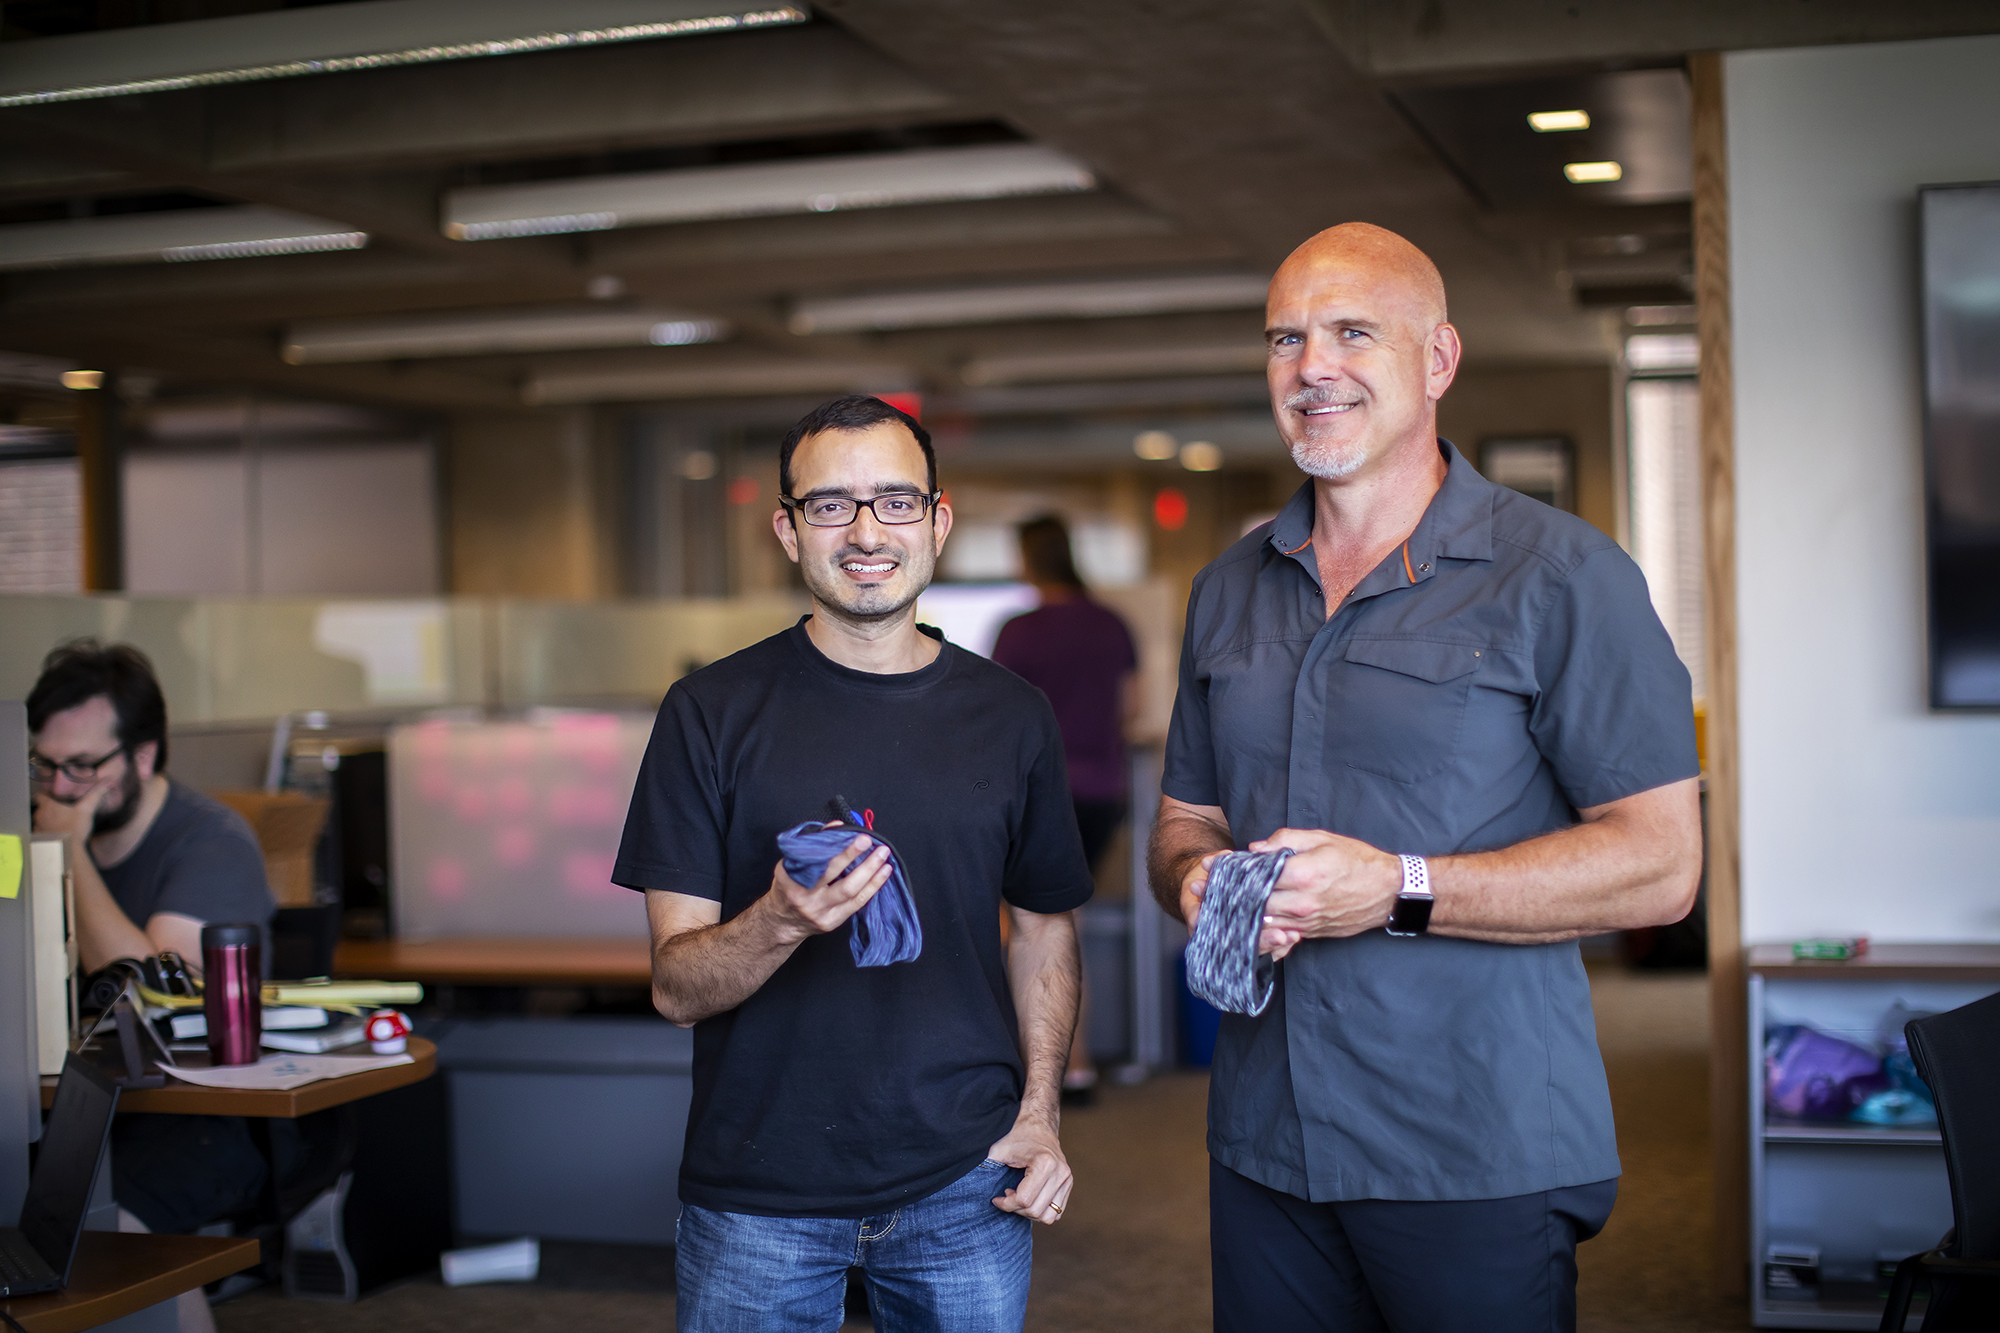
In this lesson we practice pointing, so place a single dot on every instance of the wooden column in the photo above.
(1728, 1060)
(100, 457)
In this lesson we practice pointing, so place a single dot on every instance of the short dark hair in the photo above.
(1046, 552)
(857, 411)
(82, 669)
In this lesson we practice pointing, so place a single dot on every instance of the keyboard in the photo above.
(23, 1271)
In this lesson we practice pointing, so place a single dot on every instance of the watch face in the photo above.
(1411, 917)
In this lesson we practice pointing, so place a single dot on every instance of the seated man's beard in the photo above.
(110, 821)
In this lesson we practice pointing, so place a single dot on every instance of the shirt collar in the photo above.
(1458, 522)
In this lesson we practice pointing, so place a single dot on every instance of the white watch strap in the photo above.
(1416, 877)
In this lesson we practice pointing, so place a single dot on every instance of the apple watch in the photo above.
(1412, 914)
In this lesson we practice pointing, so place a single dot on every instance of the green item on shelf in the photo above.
(1829, 951)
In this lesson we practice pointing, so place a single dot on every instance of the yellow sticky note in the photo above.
(10, 865)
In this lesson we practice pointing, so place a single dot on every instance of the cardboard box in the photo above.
(287, 826)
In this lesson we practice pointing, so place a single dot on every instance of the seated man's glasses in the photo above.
(837, 511)
(43, 771)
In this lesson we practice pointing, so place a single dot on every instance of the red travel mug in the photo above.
(232, 966)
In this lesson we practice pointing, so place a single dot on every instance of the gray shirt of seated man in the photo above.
(199, 859)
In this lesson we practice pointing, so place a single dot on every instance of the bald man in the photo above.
(1458, 710)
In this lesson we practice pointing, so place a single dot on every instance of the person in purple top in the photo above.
(1079, 653)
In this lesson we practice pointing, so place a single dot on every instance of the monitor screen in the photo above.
(1961, 313)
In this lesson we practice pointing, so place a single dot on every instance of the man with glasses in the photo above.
(153, 861)
(901, 1118)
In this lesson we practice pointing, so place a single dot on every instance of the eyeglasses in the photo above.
(837, 511)
(44, 771)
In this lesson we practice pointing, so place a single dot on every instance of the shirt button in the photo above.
(1423, 569)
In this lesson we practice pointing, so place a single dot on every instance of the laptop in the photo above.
(36, 1255)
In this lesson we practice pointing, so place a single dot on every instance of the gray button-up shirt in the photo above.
(1500, 670)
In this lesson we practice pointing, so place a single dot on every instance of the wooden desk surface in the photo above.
(179, 1098)
(468, 961)
(1886, 962)
(117, 1273)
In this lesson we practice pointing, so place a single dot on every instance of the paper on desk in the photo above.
(279, 1073)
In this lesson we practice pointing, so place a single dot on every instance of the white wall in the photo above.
(1862, 811)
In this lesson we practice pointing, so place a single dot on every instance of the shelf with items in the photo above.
(1836, 1202)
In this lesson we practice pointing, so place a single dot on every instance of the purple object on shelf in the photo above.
(1813, 1076)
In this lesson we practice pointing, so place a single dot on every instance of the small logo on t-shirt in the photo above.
(981, 785)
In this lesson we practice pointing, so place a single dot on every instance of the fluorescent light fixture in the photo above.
(760, 189)
(1663, 351)
(83, 379)
(1551, 122)
(494, 332)
(1048, 300)
(1200, 456)
(175, 236)
(1155, 446)
(1591, 173)
(331, 39)
(1114, 363)
(741, 380)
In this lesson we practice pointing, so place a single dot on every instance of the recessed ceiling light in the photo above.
(1549, 122)
(83, 379)
(1200, 456)
(1590, 173)
(1105, 299)
(1155, 446)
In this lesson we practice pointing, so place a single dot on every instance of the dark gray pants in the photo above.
(1386, 1266)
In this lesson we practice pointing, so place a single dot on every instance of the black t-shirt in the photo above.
(835, 1090)
(199, 859)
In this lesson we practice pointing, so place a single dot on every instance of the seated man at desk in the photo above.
(153, 861)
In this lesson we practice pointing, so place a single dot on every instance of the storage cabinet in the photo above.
(1833, 1203)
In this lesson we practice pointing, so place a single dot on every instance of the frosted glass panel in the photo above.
(511, 828)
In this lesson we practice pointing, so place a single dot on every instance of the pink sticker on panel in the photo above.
(588, 874)
(513, 846)
(447, 878)
(587, 807)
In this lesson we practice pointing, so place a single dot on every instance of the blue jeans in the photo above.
(949, 1263)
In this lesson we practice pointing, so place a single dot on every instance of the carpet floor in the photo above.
(1132, 1253)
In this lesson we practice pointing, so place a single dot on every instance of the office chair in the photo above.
(1958, 1055)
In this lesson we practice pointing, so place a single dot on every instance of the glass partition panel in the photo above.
(511, 828)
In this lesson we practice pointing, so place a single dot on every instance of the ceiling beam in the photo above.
(706, 90)
(1405, 38)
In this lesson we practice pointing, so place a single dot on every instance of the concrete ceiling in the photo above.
(1220, 135)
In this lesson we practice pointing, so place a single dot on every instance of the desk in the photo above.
(118, 1273)
(469, 961)
(192, 1099)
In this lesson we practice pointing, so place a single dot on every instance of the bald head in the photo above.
(1379, 258)
(1360, 352)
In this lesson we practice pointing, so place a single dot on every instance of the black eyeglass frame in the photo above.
(796, 507)
(43, 770)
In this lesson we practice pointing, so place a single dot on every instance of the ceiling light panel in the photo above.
(1555, 122)
(331, 39)
(760, 189)
(1592, 173)
(1048, 300)
(493, 333)
(174, 236)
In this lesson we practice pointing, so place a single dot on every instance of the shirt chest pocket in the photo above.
(1396, 707)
